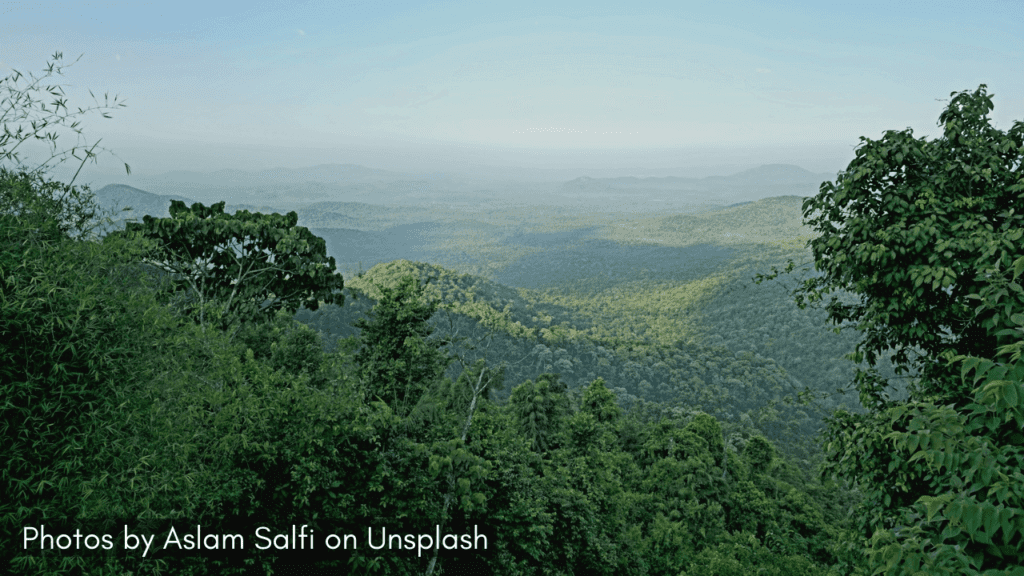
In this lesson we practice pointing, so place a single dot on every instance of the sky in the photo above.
(630, 87)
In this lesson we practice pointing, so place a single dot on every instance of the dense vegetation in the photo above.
(165, 376)
(253, 423)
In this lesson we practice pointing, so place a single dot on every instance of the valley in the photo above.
(659, 303)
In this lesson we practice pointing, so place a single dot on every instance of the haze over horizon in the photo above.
(594, 89)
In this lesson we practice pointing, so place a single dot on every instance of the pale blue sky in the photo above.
(540, 84)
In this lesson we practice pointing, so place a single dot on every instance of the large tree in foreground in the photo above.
(919, 231)
(242, 266)
(903, 228)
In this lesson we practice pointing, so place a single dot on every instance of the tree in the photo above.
(246, 266)
(401, 365)
(74, 320)
(19, 108)
(916, 229)
(944, 485)
(902, 228)
(759, 453)
(398, 361)
(473, 385)
(33, 203)
(540, 409)
(601, 402)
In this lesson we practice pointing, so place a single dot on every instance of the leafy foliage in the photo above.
(266, 428)
(246, 265)
(744, 554)
(25, 117)
(903, 227)
(917, 229)
(539, 409)
(398, 362)
(74, 317)
(45, 207)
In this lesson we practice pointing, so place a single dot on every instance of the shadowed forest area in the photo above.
(821, 384)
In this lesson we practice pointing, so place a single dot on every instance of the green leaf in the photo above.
(954, 511)
(1006, 523)
(1010, 395)
(933, 504)
(972, 518)
(990, 517)
(912, 442)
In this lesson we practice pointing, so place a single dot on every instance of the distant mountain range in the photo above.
(777, 173)
(349, 174)
(142, 203)
(768, 174)
(289, 189)
(765, 181)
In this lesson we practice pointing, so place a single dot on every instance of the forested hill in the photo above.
(661, 307)
(682, 376)
(683, 364)
(117, 197)
(189, 405)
